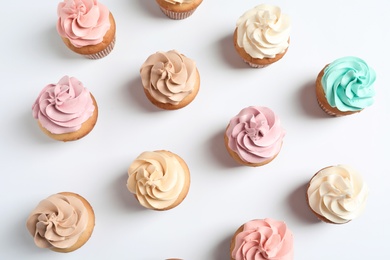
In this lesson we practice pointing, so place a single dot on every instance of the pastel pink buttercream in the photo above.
(83, 22)
(63, 107)
(255, 134)
(264, 239)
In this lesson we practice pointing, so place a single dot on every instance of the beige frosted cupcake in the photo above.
(178, 9)
(345, 86)
(170, 79)
(159, 180)
(337, 194)
(62, 222)
(65, 111)
(262, 35)
(87, 27)
(254, 137)
(262, 239)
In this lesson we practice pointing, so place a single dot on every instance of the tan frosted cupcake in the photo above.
(178, 9)
(345, 86)
(170, 79)
(65, 111)
(337, 194)
(262, 35)
(87, 27)
(159, 180)
(254, 137)
(262, 239)
(62, 222)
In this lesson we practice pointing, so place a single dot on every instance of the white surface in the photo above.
(223, 195)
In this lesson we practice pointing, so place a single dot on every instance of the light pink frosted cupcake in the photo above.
(262, 239)
(87, 27)
(254, 137)
(65, 111)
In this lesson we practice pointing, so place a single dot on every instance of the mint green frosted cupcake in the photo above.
(345, 86)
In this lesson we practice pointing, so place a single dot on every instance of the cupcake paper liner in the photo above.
(177, 15)
(102, 53)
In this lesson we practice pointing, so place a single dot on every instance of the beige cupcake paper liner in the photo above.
(177, 15)
(102, 53)
(253, 65)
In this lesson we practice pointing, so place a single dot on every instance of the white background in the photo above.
(223, 195)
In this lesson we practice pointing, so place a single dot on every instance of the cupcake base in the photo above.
(178, 11)
(255, 62)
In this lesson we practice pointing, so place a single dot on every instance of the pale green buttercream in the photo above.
(348, 84)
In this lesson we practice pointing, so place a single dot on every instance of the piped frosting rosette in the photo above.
(348, 84)
(157, 179)
(337, 193)
(63, 107)
(263, 239)
(255, 134)
(263, 31)
(83, 22)
(169, 77)
(58, 221)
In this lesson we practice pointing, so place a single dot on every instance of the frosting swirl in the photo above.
(169, 77)
(263, 31)
(58, 221)
(63, 107)
(263, 239)
(348, 84)
(83, 22)
(337, 193)
(255, 134)
(156, 178)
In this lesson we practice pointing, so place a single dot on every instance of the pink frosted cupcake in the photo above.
(66, 111)
(86, 27)
(254, 137)
(262, 239)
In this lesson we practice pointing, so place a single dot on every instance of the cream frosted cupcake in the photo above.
(178, 9)
(262, 239)
(65, 111)
(87, 27)
(337, 194)
(262, 35)
(62, 222)
(159, 180)
(254, 136)
(170, 79)
(345, 86)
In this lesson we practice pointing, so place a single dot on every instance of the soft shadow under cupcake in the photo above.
(56, 45)
(308, 100)
(222, 250)
(229, 54)
(298, 204)
(219, 152)
(124, 195)
(135, 91)
(151, 8)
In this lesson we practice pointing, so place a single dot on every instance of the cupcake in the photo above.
(345, 86)
(159, 180)
(62, 222)
(337, 194)
(86, 27)
(170, 79)
(262, 239)
(262, 35)
(66, 111)
(178, 9)
(254, 137)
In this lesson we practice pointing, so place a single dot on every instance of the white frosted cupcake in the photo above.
(262, 35)
(337, 194)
